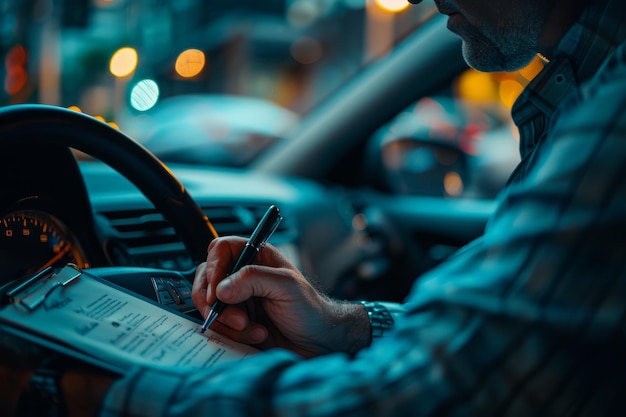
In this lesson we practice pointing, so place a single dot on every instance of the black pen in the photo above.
(259, 237)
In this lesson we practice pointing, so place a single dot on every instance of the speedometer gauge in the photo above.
(31, 240)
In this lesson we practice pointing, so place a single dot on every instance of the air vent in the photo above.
(239, 220)
(139, 228)
(145, 238)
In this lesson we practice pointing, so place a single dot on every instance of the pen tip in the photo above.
(209, 321)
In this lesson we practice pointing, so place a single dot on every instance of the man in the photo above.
(527, 320)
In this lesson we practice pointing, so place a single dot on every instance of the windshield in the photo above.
(248, 70)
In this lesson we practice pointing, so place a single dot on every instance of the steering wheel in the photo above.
(45, 124)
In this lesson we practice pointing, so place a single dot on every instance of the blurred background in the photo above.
(94, 53)
(249, 70)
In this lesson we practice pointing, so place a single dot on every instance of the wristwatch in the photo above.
(380, 318)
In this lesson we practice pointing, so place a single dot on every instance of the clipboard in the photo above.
(82, 316)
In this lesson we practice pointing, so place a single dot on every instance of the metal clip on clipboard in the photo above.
(31, 292)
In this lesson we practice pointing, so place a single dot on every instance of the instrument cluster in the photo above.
(31, 240)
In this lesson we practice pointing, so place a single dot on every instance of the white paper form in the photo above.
(122, 329)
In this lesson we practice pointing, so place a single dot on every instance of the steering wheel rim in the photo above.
(48, 124)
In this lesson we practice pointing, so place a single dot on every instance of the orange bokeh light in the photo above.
(123, 62)
(190, 63)
(15, 64)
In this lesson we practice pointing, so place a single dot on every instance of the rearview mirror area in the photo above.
(417, 167)
(444, 147)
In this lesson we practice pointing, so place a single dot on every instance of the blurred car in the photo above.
(446, 147)
(211, 129)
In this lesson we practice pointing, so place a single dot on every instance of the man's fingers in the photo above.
(234, 318)
(230, 325)
(253, 281)
(220, 254)
(253, 335)
(200, 291)
(199, 283)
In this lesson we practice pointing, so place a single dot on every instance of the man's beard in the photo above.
(502, 50)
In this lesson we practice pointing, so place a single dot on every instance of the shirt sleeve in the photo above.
(527, 320)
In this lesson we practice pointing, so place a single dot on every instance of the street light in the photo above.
(123, 62)
(190, 63)
(393, 6)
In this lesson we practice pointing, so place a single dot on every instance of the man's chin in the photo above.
(490, 59)
(479, 60)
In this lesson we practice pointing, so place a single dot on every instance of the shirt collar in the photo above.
(595, 35)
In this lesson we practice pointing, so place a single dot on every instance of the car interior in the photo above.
(78, 190)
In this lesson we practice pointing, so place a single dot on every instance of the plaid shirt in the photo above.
(527, 320)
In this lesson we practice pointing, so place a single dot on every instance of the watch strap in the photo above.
(379, 316)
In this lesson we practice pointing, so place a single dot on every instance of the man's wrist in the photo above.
(348, 327)
(354, 325)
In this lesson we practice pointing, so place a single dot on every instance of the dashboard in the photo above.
(57, 209)
(135, 233)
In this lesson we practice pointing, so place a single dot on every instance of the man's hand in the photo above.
(271, 304)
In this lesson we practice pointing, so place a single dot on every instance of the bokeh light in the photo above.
(393, 6)
(509, 91)
(531, 70)
(477, 86)
(306, 50)
(302, 13)
(453, 184)
(15, 64)
(190, 63)
(144, 95)
(123, 62)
